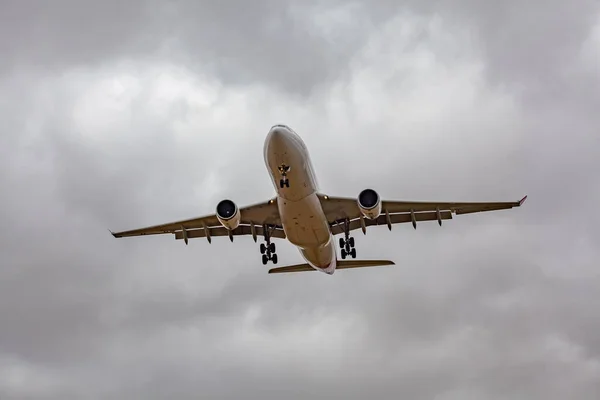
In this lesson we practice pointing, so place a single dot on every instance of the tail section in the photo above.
(291, 268)
(341, 264)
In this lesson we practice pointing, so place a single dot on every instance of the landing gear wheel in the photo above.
(347, 242)
(267, 248)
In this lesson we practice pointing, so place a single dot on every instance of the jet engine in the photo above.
(369, 203)
(228, 214)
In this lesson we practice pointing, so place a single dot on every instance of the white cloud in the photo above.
(20, 379)
(590, 51)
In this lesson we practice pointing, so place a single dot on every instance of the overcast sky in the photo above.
(118, 115)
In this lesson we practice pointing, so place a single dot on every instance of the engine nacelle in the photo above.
(369, 203)
(228, 214)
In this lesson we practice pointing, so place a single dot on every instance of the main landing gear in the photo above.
(268, 249)
(284, 181)
(347, 242)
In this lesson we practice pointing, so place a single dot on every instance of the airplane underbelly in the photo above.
(304, 222)
(322, 257)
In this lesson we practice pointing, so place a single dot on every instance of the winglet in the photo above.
(522, 201)
(112, 233)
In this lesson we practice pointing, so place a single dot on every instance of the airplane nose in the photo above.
(277, 135)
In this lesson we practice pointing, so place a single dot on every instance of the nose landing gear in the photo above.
(284, 182)
(347, 242)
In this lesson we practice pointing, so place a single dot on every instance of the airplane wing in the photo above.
(338, 209)
(254, 220)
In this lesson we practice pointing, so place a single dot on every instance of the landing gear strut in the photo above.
(347, 242)
(268, 249)
(284, 181)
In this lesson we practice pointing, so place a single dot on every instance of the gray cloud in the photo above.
(155, 112)
(242, 43)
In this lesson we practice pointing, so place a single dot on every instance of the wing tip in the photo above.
(522, 200)
(114, 234)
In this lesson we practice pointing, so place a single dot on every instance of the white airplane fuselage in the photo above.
(302, 216)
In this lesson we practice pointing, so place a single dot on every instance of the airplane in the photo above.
(308, 218)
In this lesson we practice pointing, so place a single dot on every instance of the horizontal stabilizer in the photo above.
(341, 264)
(292, 268)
